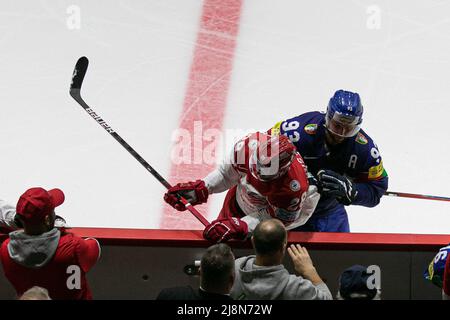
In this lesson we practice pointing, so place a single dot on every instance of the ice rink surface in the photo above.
(236, 66)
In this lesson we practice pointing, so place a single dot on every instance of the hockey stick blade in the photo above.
(75, 91)
(78, 74)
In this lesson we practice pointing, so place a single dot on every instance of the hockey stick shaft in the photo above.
(75, 91)
(416, 196)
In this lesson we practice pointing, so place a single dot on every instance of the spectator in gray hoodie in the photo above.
(264, 277)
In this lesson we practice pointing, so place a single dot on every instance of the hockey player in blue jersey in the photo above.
(341, 156)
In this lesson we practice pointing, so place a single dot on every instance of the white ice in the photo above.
(290, 58)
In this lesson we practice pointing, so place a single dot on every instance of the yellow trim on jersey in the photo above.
(376, 171)
(430, 270)
(276, 128)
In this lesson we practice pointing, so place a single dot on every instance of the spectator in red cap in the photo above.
(43, 255)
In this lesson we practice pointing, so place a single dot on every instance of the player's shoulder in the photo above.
(365, 145)
(369, 156)
(302, 129)
(312, 116)
(296, 177)
(311, 119)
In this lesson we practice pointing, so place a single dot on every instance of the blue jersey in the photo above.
(436, 268)
(357, 158)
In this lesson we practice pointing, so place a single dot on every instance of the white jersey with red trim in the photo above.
(288, 198)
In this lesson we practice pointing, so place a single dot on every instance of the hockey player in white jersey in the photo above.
(265, 177)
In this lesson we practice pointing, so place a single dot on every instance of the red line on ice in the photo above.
(206, 95)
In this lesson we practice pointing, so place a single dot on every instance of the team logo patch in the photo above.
(311, 128)
(294, 185)
(361, 139)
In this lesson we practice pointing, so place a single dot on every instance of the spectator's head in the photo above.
(217, 269)
(353, 285)
(35, 293)
(269, 240)
(36, 209)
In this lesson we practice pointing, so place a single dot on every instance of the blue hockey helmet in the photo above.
(344, 114)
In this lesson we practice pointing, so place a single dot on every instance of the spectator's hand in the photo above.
(222, 230)
(195, 192)
(302, 261)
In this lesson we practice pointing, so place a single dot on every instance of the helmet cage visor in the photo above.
(342, 125)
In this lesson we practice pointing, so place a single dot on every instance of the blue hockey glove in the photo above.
(337, 186)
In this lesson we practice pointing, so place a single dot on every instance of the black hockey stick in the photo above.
(75, 91)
